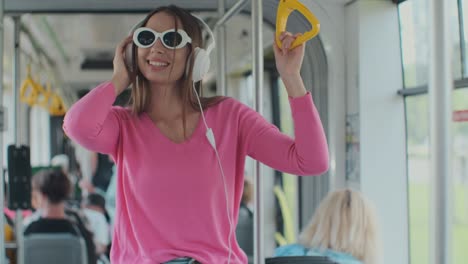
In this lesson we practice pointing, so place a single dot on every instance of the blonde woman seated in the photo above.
(343, 228)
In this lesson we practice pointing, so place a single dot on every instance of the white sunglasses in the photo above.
(172, 39)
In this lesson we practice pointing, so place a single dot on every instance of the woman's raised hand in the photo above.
(121, 76)
(289, 62)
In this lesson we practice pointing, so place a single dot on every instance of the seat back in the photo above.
(54, 249)
(299, 260)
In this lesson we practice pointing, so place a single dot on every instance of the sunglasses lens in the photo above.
(172, 39)
(146, 37)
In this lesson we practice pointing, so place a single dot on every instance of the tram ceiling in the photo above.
(98, 6)
(88, 30)
(116, 6)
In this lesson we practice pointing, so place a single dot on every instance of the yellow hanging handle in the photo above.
(284, 10)
(51, 101)
(45, 95)
(56, 106)
(29, 89)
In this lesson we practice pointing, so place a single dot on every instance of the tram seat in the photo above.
(299, 260)
(54, 249)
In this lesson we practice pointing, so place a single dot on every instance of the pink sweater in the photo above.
(170, 197)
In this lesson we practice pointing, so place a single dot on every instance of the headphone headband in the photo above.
(208, 29)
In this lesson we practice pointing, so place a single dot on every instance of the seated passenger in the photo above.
(62, 161)
(246, 200)
(343, 228)
(110, 195)
(94, 209)
(51, 188)
(244, 228)
(78, 217)
(36, 198)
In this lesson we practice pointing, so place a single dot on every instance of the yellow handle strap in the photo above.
(28, 91)
(45, 96)
(56, 106)
(284, 10)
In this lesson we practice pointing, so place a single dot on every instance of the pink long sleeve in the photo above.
(170, 199)
(92, 122)
(307, 154)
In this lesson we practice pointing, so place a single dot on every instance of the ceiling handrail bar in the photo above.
(231, 12)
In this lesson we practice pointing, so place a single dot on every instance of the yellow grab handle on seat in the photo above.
(284, 10)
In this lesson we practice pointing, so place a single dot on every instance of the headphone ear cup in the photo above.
(128, 57)
(201, 64)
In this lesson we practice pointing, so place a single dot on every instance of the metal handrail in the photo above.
(231, 12)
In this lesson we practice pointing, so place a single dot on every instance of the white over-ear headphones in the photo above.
(201, 61)
(201, 64)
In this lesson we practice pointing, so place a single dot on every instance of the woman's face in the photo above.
(158, 63)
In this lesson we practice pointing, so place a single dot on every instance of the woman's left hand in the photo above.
(288, 62)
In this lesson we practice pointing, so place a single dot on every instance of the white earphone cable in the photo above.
(211, 139)
(199, 104)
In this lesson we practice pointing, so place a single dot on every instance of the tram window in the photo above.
(414, 41)
(419, 173)
(414, 28)
(417, 116)
(460, 179)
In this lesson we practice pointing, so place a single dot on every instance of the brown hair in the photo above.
(141, 92)
(53, 184)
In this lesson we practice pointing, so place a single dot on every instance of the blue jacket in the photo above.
(299, 250)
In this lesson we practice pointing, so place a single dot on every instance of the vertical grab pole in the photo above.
(16, 83)
(257, 72)
(2, 116)
(221, 52)
(17, 130)
(461, 32)
(440, 89)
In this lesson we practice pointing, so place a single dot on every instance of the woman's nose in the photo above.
(158, 46)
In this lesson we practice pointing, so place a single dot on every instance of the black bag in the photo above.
(299, 260)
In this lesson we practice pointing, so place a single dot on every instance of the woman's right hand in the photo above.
(121, 76)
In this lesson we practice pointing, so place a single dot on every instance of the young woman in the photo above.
(175, 203)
